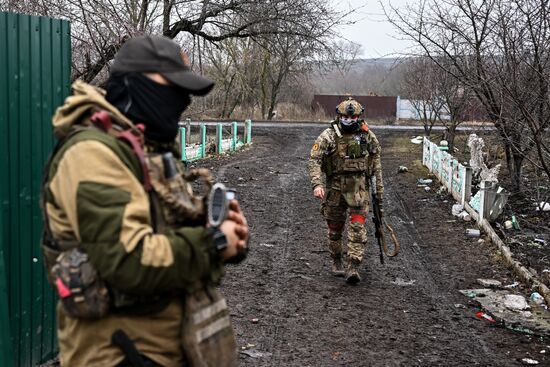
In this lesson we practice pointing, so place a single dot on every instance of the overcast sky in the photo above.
(371, 30)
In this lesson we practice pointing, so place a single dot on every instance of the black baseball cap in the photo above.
(158, 54)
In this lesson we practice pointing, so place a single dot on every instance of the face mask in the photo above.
(349, 124)
(142, 100)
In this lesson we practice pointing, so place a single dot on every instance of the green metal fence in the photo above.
(34, 79)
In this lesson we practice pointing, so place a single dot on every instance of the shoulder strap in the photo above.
(133, 137)
(47, 236)
(336, 128)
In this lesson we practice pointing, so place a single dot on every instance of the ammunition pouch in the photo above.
(82, 292)
(207, 334)
(350, 165)
(178, 203)
(344, 165)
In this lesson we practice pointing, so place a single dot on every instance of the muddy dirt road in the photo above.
(288, 310)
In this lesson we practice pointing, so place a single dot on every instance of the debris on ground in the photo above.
(470, 232)
(424, 181)
(253, 353)
(402, 169)
(516, 302)
(427, 188)
(511, 310)
(515, 223)
(483, 315)
(490, 283)
(537, 298)
(402, 282)
(417, 140)
(544, 206)
(457, 209)
(529, 361)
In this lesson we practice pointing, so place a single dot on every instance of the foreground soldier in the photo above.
(126, 245)
(348, 154)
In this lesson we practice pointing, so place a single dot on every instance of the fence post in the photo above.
(234, 136)
(398, 109)
(203, 140)
(482, 200)
(247, 131)
(219, 130)
(188, 130)
(467, 185)
(5, 335)
(183, 143)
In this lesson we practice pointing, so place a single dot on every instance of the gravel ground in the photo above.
(289, 311)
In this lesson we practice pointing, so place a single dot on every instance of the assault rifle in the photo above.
(379, 223)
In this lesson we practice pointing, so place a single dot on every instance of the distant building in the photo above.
(376, 107)
(392, 108)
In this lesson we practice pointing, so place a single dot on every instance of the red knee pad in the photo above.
(357, 218)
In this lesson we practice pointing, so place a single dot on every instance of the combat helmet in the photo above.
(348, 114)
(350, 108)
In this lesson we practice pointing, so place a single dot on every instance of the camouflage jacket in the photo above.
(95, 196)
(330, 157)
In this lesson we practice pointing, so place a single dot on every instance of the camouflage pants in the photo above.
(335, 210)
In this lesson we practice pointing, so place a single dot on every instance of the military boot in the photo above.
(337, 265)
(335, 249)
(352, 273)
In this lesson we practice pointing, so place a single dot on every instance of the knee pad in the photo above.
(335, 230)
(357, 218)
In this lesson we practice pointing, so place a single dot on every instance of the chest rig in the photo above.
(350, 154)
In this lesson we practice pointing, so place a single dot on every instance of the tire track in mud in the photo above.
(306, 317)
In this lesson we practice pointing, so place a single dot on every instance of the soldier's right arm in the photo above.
(104, 206)
(322, 145)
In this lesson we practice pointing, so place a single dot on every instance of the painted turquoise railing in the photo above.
(194, 151)
(453, 175)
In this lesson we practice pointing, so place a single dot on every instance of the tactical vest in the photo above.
(349, 155)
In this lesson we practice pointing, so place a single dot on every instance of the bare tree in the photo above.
(421, 84)
(100, 27)
(498, 49)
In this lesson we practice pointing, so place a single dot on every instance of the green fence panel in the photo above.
(5, 337)
(34, 79)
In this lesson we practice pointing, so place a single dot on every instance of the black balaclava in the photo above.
(142, 100)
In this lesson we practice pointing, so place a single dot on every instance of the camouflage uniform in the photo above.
(346, 159)
(95, 196)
